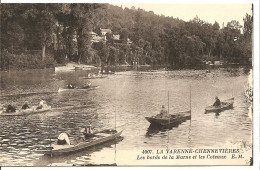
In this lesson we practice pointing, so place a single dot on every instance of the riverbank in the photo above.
(25, 61)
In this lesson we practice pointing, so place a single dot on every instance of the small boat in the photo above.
(225, 105)
(109, 72)
(172, 120)
(95, 77)
(26, 112)
(99, 138)
(77, 89)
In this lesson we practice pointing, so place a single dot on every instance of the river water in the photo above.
(123, 100)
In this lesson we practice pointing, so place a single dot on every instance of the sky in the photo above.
(206, 12)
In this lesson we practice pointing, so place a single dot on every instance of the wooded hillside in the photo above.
(38, 34)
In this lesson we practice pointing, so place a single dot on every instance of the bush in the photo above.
(25, 61)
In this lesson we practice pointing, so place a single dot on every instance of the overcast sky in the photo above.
(207, 12)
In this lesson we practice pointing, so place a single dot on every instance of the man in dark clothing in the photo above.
(217, 102)
(10, 108)
(25, 106)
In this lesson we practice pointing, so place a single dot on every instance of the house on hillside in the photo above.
(104, 32)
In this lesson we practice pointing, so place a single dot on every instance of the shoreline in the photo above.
(122, 68)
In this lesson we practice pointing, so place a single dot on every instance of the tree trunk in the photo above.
(79, 59)
(43, 52)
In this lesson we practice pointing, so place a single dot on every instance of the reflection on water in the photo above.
(123, 100)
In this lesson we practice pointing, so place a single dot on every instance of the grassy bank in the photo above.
(25, 61)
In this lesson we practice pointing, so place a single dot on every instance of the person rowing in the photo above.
(63, 138)
(10, 108)
(163, 113)
(217, 102)
(41, 105)
(87, 86)
(25, 106)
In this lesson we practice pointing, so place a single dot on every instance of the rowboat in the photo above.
(173, 119)
(26, 112)
(99, 138)
(225, 105)
(109, 72)
(95, 77)
(78, 89)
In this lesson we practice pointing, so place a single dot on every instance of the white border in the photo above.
(256, 78)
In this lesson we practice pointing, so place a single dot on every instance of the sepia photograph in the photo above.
(127, 84)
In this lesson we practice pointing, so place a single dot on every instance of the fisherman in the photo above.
(25, 106)
(87, 131)
(70, 86)
(10, 108)
(41, 105)
(217, 102)
(163, 113)
(63, 138)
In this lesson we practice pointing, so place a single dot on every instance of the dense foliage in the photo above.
(63, 30)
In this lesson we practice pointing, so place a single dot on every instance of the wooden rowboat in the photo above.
(225, 105)
(99, 138)
(171, 120)
(78, 89)
(26, 112)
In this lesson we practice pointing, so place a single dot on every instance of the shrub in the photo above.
(25, 61)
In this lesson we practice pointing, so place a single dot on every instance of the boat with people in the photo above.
(171, 119)
(97, 139)
(95, 76)
(224, 105)
(107, 72)
(29, 111)
(77, 89)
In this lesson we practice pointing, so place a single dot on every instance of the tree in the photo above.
(103, 53)
(248, 27)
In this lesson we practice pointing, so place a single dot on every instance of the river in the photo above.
(123, 100)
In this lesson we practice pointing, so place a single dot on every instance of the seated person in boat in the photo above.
(87, 86)
(41, 105)
(25, 106)
(217, 102)
(70, 86)
(10, 108)
(163, 113)
(87, 131)
(63, 138)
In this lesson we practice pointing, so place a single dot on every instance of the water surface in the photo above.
(122, 100)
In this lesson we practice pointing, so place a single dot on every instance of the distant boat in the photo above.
(99, 76)
(109, 72)
(72, 67)
(77, 89)
(99, 138)
(225, 105)
(173, 119)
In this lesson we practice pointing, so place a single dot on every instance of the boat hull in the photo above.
(59, 150)
(77, 89)
(173, 120)
(25, 113)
